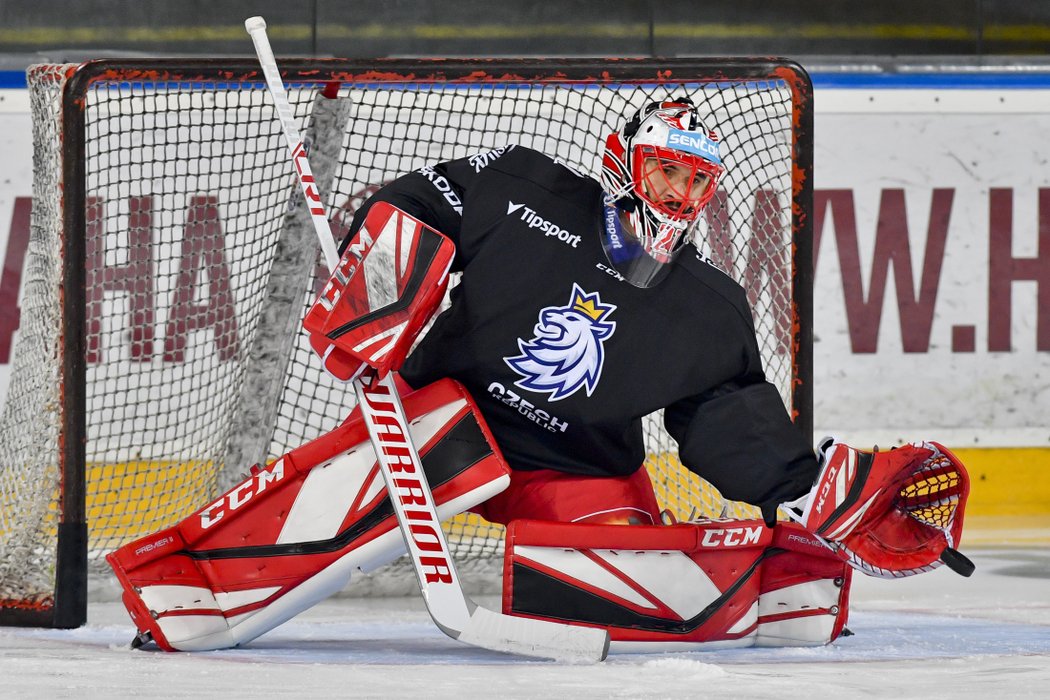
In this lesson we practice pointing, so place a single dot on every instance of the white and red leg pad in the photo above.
(292, 533)
(702, 585)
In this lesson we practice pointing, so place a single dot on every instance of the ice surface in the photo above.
(932, 636)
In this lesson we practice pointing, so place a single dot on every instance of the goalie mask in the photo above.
(659, 172)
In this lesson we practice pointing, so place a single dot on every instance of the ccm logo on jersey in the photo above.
(731, 536)
(243, 493)
(611, 272)
(534, 220)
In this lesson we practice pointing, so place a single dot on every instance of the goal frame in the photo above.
(71, 578)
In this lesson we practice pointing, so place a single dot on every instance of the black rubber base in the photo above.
(957, 562)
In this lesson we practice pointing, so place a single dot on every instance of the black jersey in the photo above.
(564, 357)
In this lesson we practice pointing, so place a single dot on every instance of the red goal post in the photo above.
(159, 353)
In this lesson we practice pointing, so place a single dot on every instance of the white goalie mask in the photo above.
(658, 172)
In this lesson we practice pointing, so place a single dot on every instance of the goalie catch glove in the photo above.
(387, 285)
(889, 514)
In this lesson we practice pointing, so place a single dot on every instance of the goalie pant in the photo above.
(294, 532)
(703, 585)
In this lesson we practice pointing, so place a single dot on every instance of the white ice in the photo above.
(932, 636)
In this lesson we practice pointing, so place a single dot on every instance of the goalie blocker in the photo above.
(295, 531)
(387, 285)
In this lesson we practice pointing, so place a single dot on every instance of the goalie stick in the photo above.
(449, 606)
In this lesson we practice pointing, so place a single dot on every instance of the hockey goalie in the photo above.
(583, 306)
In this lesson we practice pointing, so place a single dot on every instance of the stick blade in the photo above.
(538, 638)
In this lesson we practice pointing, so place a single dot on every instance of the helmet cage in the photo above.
(675, 185)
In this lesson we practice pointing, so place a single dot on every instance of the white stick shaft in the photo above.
(426, 542)
(444, 589)
(257, 29)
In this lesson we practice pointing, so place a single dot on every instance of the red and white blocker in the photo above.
(702, 585)
(294, 532)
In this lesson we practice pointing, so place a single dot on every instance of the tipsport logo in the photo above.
(567, 352)
(548, 228)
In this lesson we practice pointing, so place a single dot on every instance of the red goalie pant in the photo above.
(545, 494)
(293, 532)
(707, 584)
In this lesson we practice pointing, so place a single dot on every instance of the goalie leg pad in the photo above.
(703, 585)
(804, 597)
(295, 531)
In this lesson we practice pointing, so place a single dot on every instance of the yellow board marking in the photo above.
(1009, 497)
(1007, 481)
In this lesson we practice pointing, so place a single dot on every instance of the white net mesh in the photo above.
(29, 426)
(197, 276)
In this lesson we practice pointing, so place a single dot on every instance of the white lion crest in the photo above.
(566, 353)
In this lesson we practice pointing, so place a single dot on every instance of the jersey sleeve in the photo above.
(739, 436)
(432, 194)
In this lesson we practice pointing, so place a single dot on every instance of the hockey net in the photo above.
(159, 353)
